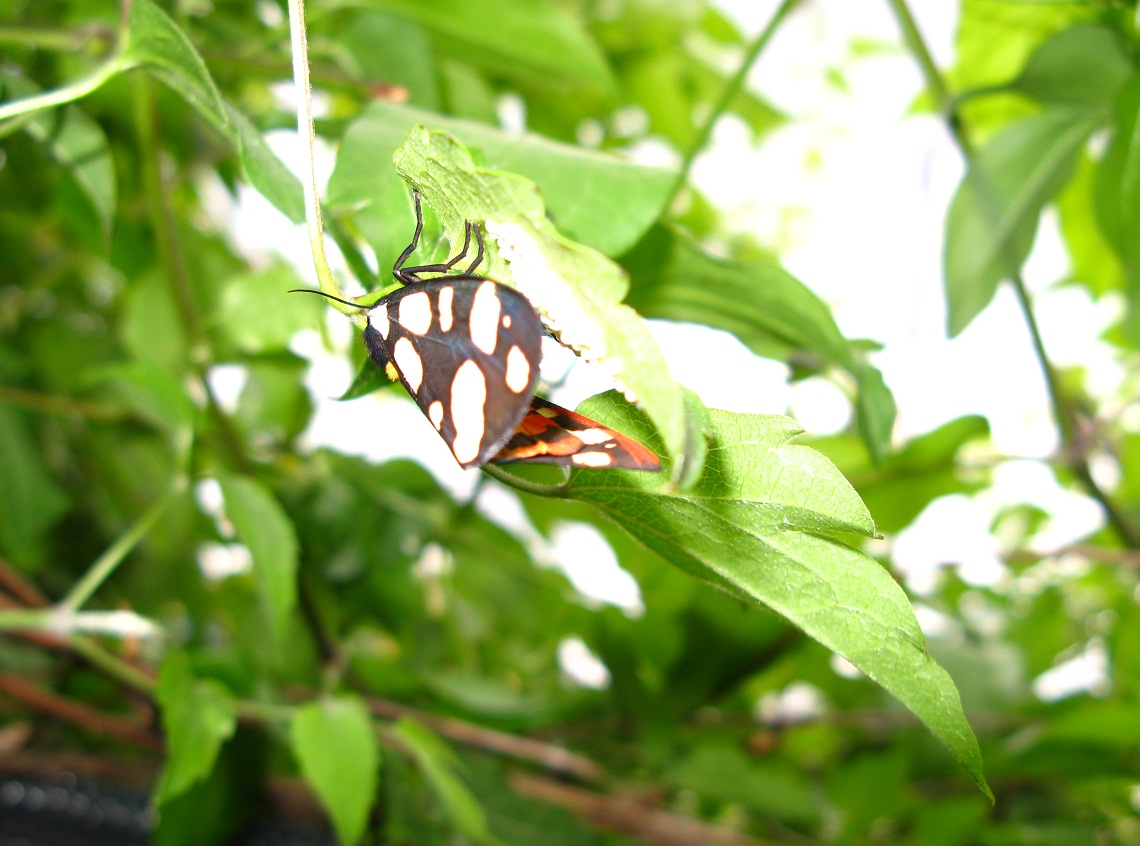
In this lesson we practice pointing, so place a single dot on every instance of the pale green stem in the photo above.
(731, 89)
(65, 94)
(300, 47)
(513, 481)
(106, 563)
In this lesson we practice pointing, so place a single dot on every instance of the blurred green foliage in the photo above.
(397, 648)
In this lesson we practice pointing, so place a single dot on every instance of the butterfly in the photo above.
(467, 349)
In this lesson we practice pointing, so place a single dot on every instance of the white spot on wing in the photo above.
(446, 315)
(592, 436)
(378, 319)
(592, 459)
(485, 318)
(468, 397)
(409, 363)
(435, 414)
(415, 313)
(506, 321)
(518, 370)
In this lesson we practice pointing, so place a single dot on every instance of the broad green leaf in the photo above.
(263, 526)
(151, 392)
(577, 291)
(1081, 65)
(198, 716)
(397, 51)
(333, 741)
(595, 198)
(769, 310)
(156, 43)
(723, 772)
(437, 763)
(79, 145)
(535, 44)
(760, 525)
(993, 216)
(30, 499)
(256, 315)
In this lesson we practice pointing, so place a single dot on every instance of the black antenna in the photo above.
(329, 296)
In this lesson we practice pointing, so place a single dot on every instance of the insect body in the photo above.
(468, 349)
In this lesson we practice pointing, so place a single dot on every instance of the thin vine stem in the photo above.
(513, 481)
(1064, 414)
(731, 89)
(106, 563)
(300, 48)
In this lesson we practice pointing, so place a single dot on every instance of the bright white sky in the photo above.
(851, 194)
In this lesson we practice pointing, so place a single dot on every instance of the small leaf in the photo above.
(437, 763)
(333, 742)
(875, 410)
(198, 717)
(577, 291)
(267, 173)
(264, 527)
(924, 469)
(769, 310)
(30, 499)
(1083, 64)
(151, 392)
(759, 524)
(993, 216)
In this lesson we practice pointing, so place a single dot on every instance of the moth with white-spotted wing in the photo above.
(468, 350)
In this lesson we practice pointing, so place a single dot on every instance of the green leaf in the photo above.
(263, 526)
(875, 410)
(536, 44)
(437, 763)
(267, 173)
(923, 470)
(151, 392)
(333, 742)
(759, 524)
(993, 216)
(577, 291)
(257, 316)
(198, 716)
(1117, 191)
(1095, 264)
(596, 198)
(769, 310)
(30, 499)
(1082, 65)
(156, 43)
(79, 145)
